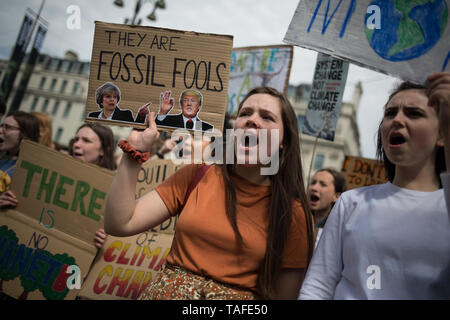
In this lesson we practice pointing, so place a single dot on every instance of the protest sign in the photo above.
(125, 266)
(405, 39)
(361, 172)
(258, 66)
(325, 100)
(35, 260)
(142, 65)
(61, 204)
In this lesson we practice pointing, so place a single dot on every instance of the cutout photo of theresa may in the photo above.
(107, 97)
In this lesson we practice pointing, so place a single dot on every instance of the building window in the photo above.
(53, 64)
(300, 122)
(339, 128)
(53, 84)
(76, 85)
(83, 114)
(41, 85)
(58, 135)
(34, 103)
(334, 156)
(318, 162)
(58, 68)
(45, 105)
(63, 86)
(75, 67)
(65, 66)
(86, 67)
(67, 110)
(55, 108)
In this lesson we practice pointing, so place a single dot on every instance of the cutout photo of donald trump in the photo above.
(190, 104)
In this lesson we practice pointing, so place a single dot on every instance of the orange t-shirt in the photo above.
(205, 242)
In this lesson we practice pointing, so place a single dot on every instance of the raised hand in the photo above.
(166, 102)
(143, 140)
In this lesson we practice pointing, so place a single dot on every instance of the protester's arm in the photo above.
(8, 199)
(288, 283)
(125, 216)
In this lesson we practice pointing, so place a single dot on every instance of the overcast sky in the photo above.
(250, 22)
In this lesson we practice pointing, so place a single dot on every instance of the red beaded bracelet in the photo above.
(134, 154)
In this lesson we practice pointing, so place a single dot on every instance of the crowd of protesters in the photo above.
(244, 235)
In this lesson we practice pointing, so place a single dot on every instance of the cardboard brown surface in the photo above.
(34, 259)
(61, 203)
(145, 62)
(125, 266)
(361, 172)
(59, 191)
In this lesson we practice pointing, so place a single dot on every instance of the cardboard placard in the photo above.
(361, 172)
(405, 39)
(258, 66)
(59, 191)
(325, 100)
(157, 65)
(61, 203)
(125, 266)
(34, 260)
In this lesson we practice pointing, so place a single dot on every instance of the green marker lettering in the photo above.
(60, 191)
(96, 194)
(47, 187)
(81, 190)
(32, 168)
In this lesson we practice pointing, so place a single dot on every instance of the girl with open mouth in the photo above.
(240, 234)
(324, 189)
(16, 126)
(392, 241)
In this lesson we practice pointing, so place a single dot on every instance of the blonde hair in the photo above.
(45, 122)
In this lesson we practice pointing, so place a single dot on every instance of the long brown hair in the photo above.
(286, 187)
(45, 122)
(28, 124)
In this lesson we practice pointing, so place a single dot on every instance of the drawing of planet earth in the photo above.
(409, 28)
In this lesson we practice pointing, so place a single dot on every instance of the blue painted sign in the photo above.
(257, 66)
(406, 39)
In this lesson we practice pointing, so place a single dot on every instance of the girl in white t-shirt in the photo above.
(392, 241)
